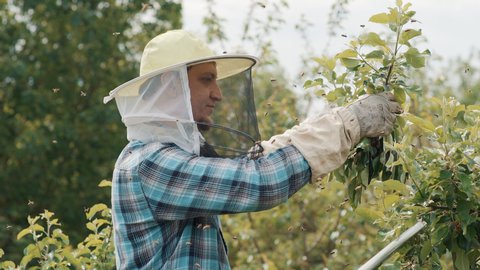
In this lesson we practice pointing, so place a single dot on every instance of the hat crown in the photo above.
(172, 48)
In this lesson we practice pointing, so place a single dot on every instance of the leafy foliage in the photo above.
(443, 163)
(50, 247)
(372, 65)
(59, 58)
(427, 169)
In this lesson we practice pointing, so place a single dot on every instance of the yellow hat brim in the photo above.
(227, 65)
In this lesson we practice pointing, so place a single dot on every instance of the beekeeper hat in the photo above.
(176, 48)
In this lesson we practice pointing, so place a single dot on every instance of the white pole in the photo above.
(381, 256)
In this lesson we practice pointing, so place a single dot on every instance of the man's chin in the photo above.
(204, 125)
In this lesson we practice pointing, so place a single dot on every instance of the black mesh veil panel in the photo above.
(234, 129)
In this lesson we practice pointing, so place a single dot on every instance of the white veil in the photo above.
(160, 110)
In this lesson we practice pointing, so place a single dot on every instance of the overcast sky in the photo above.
(451, 27)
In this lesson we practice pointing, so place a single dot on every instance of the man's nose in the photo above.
(216, 93)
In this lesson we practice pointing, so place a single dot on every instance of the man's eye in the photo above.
(207, 78)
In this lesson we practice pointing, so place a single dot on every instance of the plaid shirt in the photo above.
(166, 202)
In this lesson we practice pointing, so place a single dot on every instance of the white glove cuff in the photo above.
(324, 140)
(351, 124)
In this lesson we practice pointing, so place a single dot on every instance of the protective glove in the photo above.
(376, 114)
(325, 140)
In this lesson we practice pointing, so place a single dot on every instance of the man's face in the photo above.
(204, 91)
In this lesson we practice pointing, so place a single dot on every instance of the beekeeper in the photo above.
(194, 153)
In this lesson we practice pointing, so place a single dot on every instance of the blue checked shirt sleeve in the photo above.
(180, 185)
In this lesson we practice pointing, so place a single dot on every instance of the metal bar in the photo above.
(381, 256)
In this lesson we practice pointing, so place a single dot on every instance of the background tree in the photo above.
(57, 60)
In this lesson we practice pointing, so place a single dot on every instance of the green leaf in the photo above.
(320, 93)
(310, 83)
(350, 62)
(33, 251)
(415, 58)
(105, 183)
(7, 265)
(372, 39)
(46, 214)
(473, 108)
(464, 216)
(32, 220)
(465, 183)
(378, 192)
(395, 185)
(407, 6)
(364, 177)
(331, 96)
(368, 213)
(382, 18)
(22, 233)
(445, 174)
(459, 108)
(96, 208)
(91, 227)
(419, 122)
(400, 95)
(425, 251)
(100, 222)
(348, 53)
(415, 89)
(377, 54)
(26, 259)
(461, 260)
(390, 200)
(439, 234)
(341, 79)
(1, 253)
(57, 233)
(55, 222)
(37, 227)
(394, 17)
(326, 62)
(408, 34)
(29, 230)
(94, 242)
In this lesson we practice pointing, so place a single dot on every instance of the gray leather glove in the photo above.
(376, 114)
